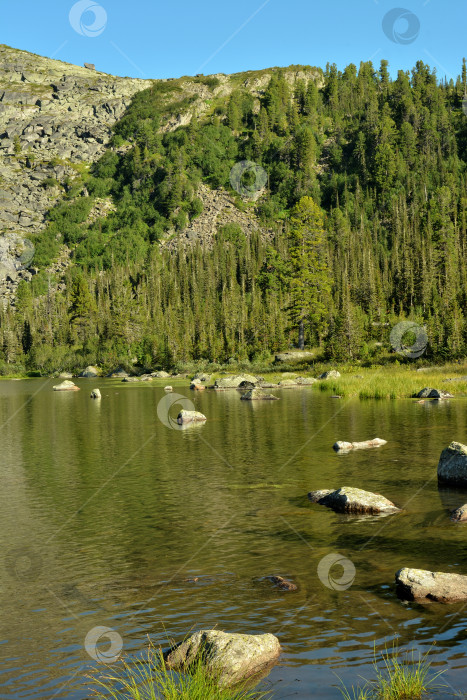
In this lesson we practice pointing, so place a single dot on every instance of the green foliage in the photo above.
(384, 162)
(149, 679)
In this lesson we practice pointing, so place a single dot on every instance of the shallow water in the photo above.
(106, 512)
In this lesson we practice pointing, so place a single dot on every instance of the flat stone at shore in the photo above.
(430, 586)
(185, 417)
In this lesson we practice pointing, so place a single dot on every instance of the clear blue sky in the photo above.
(155, 39)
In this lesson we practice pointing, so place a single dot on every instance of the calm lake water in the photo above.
(106, 512)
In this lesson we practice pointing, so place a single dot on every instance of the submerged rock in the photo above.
(66, 386)
(332, 374)
(452, 465)
(168, 388)
(426, 586)
(460, 514)
(230, 658)
(283, 583)
(351, 500)
(96, 394)
(258, 395)
(190, 417)
(347, 446)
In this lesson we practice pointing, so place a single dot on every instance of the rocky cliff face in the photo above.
(53, 117)
(56, 120)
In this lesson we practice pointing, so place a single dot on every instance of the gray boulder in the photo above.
(119, 373)
(160, 375)
(430, 586)
(306, 381)
(96, 394)
(230, 658)
(286, 383)
(168, 388)
(201, 377)
(429, 393)
(66, 386)
(65, 375)
(190, 417)
(332, 374)
(351, 500)
(233, 382)
(89, 372)
(258, 395)
(460, 514)
(452, 465)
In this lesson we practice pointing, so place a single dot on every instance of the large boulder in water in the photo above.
(185, 417)
(230, 658)
(452, 465)
(351, 500)
(66, 386)
(428, 586)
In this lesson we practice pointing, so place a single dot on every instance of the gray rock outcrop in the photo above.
(429, 393)
(332, 374)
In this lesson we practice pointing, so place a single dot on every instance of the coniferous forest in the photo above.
(362, 223)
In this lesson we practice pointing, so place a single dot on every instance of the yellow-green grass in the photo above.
(149, 679)
(400, 677)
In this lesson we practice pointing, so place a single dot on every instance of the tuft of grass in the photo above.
(148, 678)
(399, 677)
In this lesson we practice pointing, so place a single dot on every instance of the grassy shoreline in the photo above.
(376, 382)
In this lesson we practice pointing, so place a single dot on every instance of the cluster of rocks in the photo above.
(411, 584)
